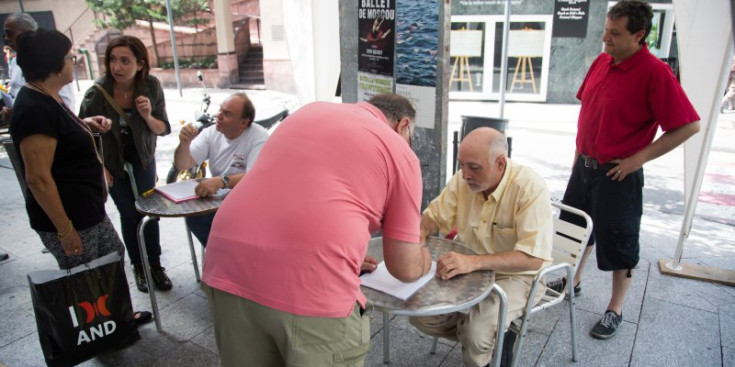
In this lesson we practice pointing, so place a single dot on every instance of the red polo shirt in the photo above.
(623, 105)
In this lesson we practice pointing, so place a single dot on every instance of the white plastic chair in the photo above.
(569, 243)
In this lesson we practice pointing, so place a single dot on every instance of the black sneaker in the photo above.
(560, 286)
(608, 326)
(160, 279)
(139, 276)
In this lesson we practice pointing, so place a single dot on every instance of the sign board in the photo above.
(571, 18)
(465, 43)
(526, 43)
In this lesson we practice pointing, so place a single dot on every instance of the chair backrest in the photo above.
(15, 161)
(572, 230)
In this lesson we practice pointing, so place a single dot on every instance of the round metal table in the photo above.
(156, 206)
(437, 296)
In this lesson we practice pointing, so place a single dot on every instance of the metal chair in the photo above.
(569, 243)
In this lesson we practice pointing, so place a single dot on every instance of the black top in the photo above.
(75, 169)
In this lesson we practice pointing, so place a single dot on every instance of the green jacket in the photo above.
(94, 104)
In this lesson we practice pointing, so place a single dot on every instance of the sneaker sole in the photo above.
(602, 337)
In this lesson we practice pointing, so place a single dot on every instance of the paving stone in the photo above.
(680, 335)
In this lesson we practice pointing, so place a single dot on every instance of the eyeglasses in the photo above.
(73, 59)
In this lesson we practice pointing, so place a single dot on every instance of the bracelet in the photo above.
(66, 233)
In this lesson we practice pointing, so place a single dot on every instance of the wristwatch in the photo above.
(226, 181)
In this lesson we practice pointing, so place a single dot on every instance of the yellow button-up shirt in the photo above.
(516, 216)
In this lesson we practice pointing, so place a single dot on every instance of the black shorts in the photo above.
(615, 208)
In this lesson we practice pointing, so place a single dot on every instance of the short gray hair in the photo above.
(499, 146)
(24, 20)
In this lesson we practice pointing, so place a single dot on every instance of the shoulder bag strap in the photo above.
(113, 104)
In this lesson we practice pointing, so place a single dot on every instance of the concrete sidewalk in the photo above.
(668, 321)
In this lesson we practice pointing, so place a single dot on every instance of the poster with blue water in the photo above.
(417, 49)
(417, 42)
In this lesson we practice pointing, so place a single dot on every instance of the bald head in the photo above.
(482, 159)
(487, 138)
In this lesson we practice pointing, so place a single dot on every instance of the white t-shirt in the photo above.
(228, 156)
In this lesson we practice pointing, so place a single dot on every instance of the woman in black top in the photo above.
(63, 172)
(133, 101)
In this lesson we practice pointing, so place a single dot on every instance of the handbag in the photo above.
(82, 311)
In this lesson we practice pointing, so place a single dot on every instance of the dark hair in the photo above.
(393, 106)
(639, 16)
(248, 110)
(41, 53)
(138, 49)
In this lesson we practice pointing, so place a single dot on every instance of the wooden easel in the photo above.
(464, 68)
(524, 62)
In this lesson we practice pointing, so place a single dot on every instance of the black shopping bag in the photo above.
(83, 311)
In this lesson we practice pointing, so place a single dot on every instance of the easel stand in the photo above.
(524, 62)
(464, 71)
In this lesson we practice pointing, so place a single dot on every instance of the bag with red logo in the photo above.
(82, 311)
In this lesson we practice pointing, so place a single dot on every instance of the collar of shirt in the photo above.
(633, 60)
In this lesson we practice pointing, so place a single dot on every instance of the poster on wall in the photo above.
(369, 85)
(376, 22)
(571, 18)
(417, 47)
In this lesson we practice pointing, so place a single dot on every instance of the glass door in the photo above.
(529, 47)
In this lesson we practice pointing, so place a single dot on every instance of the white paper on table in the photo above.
(179, 191)
(381, 280)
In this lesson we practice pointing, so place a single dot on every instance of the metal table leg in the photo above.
(502, 315)
(386, 337)
(193, 252)
(147, 270)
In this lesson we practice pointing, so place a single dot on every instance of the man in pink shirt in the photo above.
(288, 243)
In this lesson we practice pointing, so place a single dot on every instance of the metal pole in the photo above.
(504, 59)
(691, 202)
(20, 2)
(173, 46)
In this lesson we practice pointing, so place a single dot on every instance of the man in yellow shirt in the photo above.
(503, 212)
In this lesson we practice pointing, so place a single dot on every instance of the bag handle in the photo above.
(113, 104)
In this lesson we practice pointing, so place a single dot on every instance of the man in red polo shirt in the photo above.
(627, 94)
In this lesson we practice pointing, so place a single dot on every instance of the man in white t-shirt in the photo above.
(231, 149)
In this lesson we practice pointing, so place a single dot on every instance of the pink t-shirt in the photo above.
(293, 233)
(623, 105)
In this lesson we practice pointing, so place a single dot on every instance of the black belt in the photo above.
(592, 163)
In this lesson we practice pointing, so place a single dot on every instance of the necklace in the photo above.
(124, 92)
(69, 114)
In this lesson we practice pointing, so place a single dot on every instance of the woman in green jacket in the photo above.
(134, 101)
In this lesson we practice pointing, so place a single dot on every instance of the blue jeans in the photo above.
(200, 226)
(122, 194)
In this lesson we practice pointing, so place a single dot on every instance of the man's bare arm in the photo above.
(405, 260)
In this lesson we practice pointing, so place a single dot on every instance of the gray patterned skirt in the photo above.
(97, 241)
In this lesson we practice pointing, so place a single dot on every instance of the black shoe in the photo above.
(139, 276)
(4, 256)
(160, 279)
(142, 317)
(608, 326)
(560, 286)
